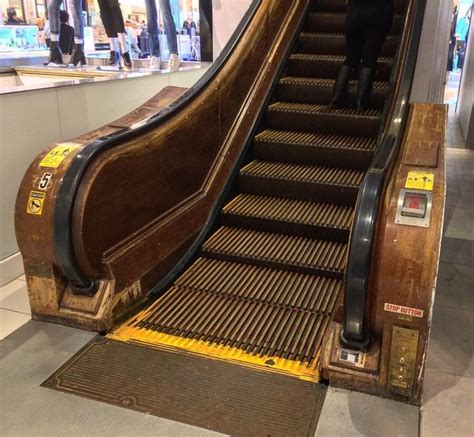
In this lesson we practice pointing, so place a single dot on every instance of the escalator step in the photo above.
(226, 278)
(277, 251)
(313, 148)
(336, 22)
(335, 44)
(323, 118)
(312, 90)
(399, 6)
(289, 216)
(260, 311)
(304, 182)
(327, 66)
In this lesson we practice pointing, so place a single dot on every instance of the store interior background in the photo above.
(459, 92)
(28, 39)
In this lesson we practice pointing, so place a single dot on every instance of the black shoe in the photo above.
(78, 55)
(55, 54)
(114, 58)
(339, 97)
(126, 60)
(366, 79)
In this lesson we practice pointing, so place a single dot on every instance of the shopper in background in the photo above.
(153, 34)
(452, 41)
(368, 23)
(12, 19)
(66, 35)
(189, 24)
(55, 53)
(112, 19)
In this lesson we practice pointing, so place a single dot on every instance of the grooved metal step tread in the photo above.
(287, 252)
(259, 311)
(308, 108)
(291, 211)
(327, 83)
(317, 139)
(329, 14)
(333, 58)
(248, 283)
(304, 173)
(334, 35)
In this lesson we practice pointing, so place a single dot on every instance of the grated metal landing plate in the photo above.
(182, 387)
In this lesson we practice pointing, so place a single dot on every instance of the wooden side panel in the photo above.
(405, 261)
(46, 286)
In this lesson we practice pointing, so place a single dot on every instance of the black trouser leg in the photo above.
(107, 19)
(354, 40)
(373, 42)
(354, 47)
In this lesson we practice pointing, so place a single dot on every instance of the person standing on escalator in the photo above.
(368, 23)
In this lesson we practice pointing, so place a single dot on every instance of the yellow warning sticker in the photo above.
(420, 180)
(54, 158)
(35, 203)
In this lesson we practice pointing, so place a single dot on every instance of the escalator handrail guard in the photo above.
(355, 333)
(62, 240)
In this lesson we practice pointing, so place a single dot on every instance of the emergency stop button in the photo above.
(414, 208)
(415, 205)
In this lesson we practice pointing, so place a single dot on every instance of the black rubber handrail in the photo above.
(355, 333)
(62, 240)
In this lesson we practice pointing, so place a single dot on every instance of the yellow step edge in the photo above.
(127, 333)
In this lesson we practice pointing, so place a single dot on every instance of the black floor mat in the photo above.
(199, 391)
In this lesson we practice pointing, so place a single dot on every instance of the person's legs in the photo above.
(170, 26)
(55, 55)
(152, 25)
(372, 47)
(353, 54)
(373, 42)
(354, 40)
(54, 23)
(106, 17)
(78, 55)
(78, 18)
(170, 29)
(119, 27)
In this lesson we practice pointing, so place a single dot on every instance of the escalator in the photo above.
(254, 263)
(266, 281)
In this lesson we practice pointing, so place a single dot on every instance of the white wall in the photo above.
(32, 120)
(465, 108)
(432, 62)
(227, 15)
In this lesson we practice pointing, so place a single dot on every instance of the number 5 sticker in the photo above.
(44, 181)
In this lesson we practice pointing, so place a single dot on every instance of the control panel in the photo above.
(414, 208)
(403, 354)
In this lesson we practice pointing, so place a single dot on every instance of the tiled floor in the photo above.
(14, 306)
(448, 401)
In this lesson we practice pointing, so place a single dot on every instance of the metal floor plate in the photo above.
(183, 387)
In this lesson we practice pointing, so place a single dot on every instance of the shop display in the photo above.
(14, 38)
(142, 35)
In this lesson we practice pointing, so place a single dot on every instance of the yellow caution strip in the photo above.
(129, 333)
